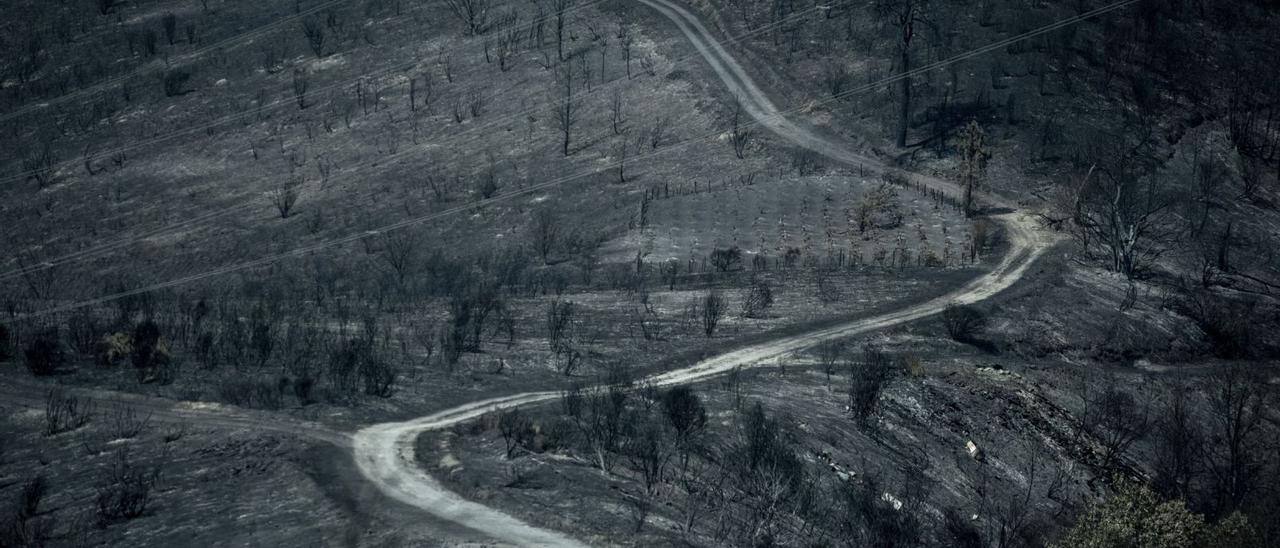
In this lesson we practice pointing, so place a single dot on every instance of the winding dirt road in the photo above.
(384, 453)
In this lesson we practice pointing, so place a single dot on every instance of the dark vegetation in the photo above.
(1145, 131)
(729, 471)
(964, 323)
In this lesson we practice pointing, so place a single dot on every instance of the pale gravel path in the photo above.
(384, 453)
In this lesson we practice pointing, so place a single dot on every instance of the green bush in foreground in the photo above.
(1135, 517)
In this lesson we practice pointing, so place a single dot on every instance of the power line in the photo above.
(159, 64)
(454, 140)
(286, 101)
(321, 246)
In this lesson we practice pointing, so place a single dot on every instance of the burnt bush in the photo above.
(170, 24)
(175, 82)
(684, 411)
(19, 526)
(713, 308)
(146, 338)
(44, 354)
(284, 199)
(6, 347)
(805, 161)
(727, 259)
(518, 432)
(254, 393)
(126, 492)
(150, 355)
(964, 323)
(868, 379)
(1119, 421)
(379, 375)
(757, 300)
(65, 412)
(344, 362)
(32, 494)
(303, 388)
(356, 363)
(126, 423)
(1227, 324)
(766, 449)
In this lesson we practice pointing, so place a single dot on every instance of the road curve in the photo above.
(384, 453)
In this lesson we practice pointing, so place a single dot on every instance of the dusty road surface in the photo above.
(384, 453)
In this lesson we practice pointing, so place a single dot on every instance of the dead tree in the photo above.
(658, 131)
(473, 13)
(904, 15)
(1178, 438)
(836, 76)
(973, 164)
(687, 416)
(508, 44)
(726, 259)
(313, 29)
(627, 41)
(567, 108)
(400, 251)
(621, 148)
(602, 424)
(560, 321)
(546, 233)
(300, 83)
(739, 134)
(713, 309)
(170, 24)
(1238, 402)
(868, 379)
(284, 198)
(516, 429)
(829, 354)
(1118, 422)
(670, 270)
(561, 8)
(39, 164)
(648, 453)
(757, 299)
(617, 120)
(1124, 210)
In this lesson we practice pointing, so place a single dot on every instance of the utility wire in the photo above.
(162, 63)
(454, 140)
(324, 245)
(285, 101)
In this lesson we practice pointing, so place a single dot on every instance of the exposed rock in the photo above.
(975, 452)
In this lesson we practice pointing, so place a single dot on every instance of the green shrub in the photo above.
(1135, 517)
(112, 349)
